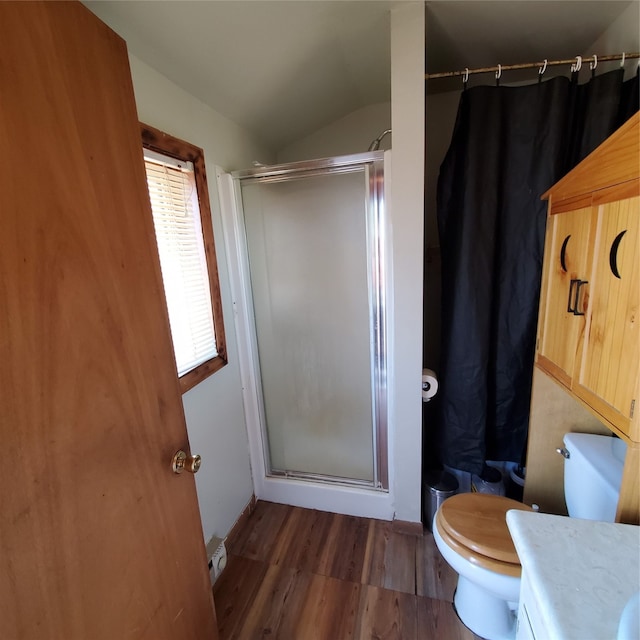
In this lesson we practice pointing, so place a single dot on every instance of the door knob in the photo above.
(183, 462)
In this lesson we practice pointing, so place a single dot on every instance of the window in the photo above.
(182, 218)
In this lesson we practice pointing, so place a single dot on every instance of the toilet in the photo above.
(470, 530)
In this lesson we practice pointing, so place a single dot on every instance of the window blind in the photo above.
(176, 217)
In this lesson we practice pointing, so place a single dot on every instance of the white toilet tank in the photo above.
(593, 475)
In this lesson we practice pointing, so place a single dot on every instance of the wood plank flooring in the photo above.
(300, 574)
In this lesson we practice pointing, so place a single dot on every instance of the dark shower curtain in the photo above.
(510, 144)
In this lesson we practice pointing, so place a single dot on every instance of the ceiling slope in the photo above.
(280, 69)
(284, 69)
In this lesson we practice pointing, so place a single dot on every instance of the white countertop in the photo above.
(581, 573)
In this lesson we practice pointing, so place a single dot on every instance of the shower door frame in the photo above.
(358, 497)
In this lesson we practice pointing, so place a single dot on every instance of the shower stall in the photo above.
(308, 246)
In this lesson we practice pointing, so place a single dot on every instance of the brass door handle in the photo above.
(183, 462)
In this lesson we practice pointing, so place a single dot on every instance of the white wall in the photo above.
(623, 35)
(213, 409)
(351, 134)
(407, 215)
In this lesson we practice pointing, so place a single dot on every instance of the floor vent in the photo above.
(217, 555)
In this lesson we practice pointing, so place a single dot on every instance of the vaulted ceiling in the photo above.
(283, 69)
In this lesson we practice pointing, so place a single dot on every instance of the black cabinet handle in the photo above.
(571, 286)
(575, 305)
(613, 254)
(574, 292)
(563, 251)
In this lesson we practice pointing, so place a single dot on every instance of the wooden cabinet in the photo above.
(588, 333)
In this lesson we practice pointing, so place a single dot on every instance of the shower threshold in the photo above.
(325, 479)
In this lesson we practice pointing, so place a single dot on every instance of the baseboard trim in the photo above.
(241, 521)
(408, 528)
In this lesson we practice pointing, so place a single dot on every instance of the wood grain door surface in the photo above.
(607, 376)
(99, 539)
(567, 258)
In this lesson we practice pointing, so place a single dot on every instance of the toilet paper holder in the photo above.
(429, 384)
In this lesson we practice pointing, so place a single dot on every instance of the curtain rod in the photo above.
(542, 66)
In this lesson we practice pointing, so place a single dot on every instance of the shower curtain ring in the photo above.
(622, 61)
(465, 77)
(578, 65)
(498, 73)
(541, 71)
(594, 64)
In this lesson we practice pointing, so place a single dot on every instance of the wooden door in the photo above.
(99, 539)
(567, 263)
(607, 377)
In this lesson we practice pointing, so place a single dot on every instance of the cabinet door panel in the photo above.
(567, 258)
(608, 371)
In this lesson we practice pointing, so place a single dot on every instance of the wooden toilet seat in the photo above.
(475, 526)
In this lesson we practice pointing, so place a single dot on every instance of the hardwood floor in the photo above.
(300, 574)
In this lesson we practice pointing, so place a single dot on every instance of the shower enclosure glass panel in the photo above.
(313, 263)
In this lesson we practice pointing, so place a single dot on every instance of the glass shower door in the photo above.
(312, 242)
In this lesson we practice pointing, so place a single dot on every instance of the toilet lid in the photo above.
(479, 522)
